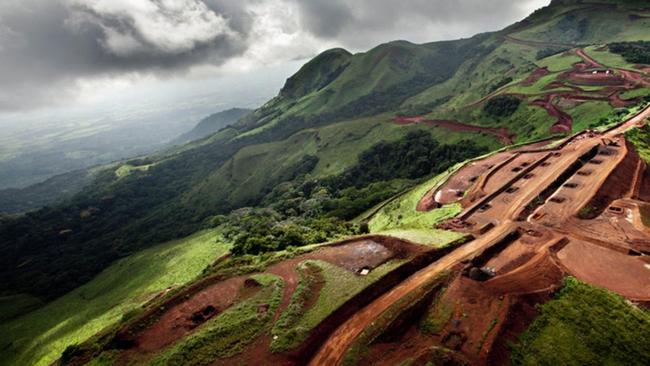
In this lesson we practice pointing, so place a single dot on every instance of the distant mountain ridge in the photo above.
(212, 124)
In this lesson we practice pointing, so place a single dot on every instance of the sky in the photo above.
(69, 58)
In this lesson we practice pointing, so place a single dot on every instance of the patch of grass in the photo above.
(585, 325)
(640, 92)
(559, 62)
(640, 137)
(437, 316)
(285, 333)
(401, 213)
(228, 333)
(587, 212)
(380, 325)
(430, 237)
(127, 169)
(339, 286)
(589, 115)
(538, 87)
(645, 215)
(608, 59)
(107, 358)
(38, 338)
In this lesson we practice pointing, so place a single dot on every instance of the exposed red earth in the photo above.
(529, 234)
(184, 313)
(535, 76)
(588, 72)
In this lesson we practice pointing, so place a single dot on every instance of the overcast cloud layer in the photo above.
(48, 48)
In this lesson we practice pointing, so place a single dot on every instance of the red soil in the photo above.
(624, 274)
(468, 183)
(177, 321)
(454, 188)
(564, 120)
(535, 76)
(588, 59)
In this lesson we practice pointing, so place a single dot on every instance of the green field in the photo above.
(607, 58)
(588, 114)
(38, 338)
(586, 325)
(338, 286)
(401, 213)
(559, 62)
(640, 137)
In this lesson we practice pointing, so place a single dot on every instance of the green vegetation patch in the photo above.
(127, 169)
(633, 52)
(430, 237)
(640, 92)
(438, 315)
(640, 137)
(502, 106)
(645, 215)
(585, 325)
(339, 285)
(604, 56)
(590, 115)
(386, 319)
(228, 333)
(39, 338)
(401, 213)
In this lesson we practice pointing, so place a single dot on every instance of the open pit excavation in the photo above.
(537, 215)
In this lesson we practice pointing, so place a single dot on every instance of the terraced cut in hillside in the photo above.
(277, 316)
(538, 215)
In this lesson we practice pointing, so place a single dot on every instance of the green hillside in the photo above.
(39, 337)
(328, 148)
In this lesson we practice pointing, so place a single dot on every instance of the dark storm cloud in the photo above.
(47, 46)
(357, 22)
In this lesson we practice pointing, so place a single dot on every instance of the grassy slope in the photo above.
(38, 338)
(401, 213)
(339, 285)
(640, 137)
(337, 146)
(586, 325)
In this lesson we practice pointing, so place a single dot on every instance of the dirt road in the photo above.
(501, 209)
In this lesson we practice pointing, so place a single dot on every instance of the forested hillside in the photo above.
(334, 112)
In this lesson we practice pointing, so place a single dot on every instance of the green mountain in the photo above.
(51, 191)
(333, 109)
(335, 142)
(211, 124)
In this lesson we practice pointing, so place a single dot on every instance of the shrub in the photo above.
(502, 106)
